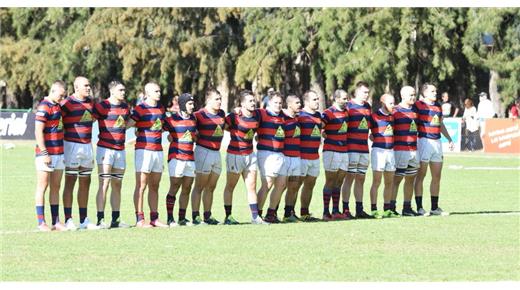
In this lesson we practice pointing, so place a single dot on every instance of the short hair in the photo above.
(338, 93)
(211, 91)
(148, 85)
(77, 79)
(384, 96)
(58, 84)
(272, 95)
(243, 94)
(424, 87)
(468, 101)
(291, 96)
(361, 84)
(113, 84)
(444, 93)
(307, 94)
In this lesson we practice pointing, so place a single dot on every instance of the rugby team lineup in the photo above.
(288, 132)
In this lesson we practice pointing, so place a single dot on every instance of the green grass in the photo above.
(466, 247)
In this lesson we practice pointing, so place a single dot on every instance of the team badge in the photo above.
(249, 134)
(279, 132)
(435, 121)
(343, 128)
(297, 131)
(87, 117)
(187, 137)
(120, 122)
(157, 125)
(389, 131)
(363, 124)
(218, 132)
(315, 131)
(413, 126)
(60, 124)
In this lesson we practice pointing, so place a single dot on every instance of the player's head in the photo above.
(429, 92)
(445, 97)
(81, 87)
(213, 99)
(117, 90)
(311, 100)
(293, 103)
(275, 102)
(152, 91)
(361, 91)
(340, 97)
(247, 100)
(186, 103)
(408, 95)
(57, 91)
(387, 102)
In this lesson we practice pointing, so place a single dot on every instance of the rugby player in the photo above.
(359, 114)
(405, 148)
(148, 118)
(210, 125)
(240, 158)
(112, 115)
(77, 118)
(181, 165)
(49, 156)
(382, 156)
(335, 156)
(430, 126)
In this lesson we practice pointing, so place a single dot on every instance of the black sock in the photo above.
(55, 211)
(418, 201)
(207, 215)
(115, 216)
(182, 214)
(82, 214)
(260, 212)
(345, 206)
(407, 205)
(373, 207)
(435, 202)
(288, 210)
(100, 216)
(195, 214)
(359, 206)
(227, 208)
(392, 205)
(387, 206)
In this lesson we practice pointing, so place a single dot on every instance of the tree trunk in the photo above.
(317, 86)
(494, 95)
(223, 88)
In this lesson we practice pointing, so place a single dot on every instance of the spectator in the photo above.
(485, 107)
(265, 99)
(471, 122)
(173, 105)
(515, 109)
(448, 108)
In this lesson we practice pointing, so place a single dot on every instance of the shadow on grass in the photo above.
(490, 212)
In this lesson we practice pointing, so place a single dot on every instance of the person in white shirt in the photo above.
(470, 118)
(485, 111)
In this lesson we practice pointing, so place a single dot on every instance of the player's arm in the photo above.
(446, 134)
(40, 141)
(456, 112)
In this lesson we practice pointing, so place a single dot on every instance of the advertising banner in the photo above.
(453, 125)
(501, 136)
(16, 125)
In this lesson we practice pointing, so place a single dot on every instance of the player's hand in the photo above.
(47, 160)
(451, 145)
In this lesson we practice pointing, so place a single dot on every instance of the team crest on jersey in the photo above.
(297, 131)
(343, 128)
(87, 117)
(60, 124)
(435, 121)
(249, 134)
(389, 131)
(157, 125)
(413, 126)
(186, 137)
(120, 122)
(316, 131)
(363, 124)
(218, 132)
(279, 132)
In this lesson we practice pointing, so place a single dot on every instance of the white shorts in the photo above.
(56, 163)
(78, 154)
(270, 163)
(207, 161)
(406, 163)
(240, 163)
(382, 159)
(334, 161)
(429, 150)
(357, 162)
(148, 161)
(107, 156)
(291, 166)
(310, 167)
(180, 168)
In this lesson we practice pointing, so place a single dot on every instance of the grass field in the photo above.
(474, 245)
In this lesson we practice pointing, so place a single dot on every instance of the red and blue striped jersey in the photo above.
(210, 128)
(77, 119)
(242, 130)
(405, 129)
(310, 137)
(270, 132)
(335, 125)
(358, 125)
(429, 118)
(112, 124)
(182, 132)
(292, 131)
(49, 113)
(382, 128)
(148, 122)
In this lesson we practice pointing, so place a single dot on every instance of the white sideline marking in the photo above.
(456, 167)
